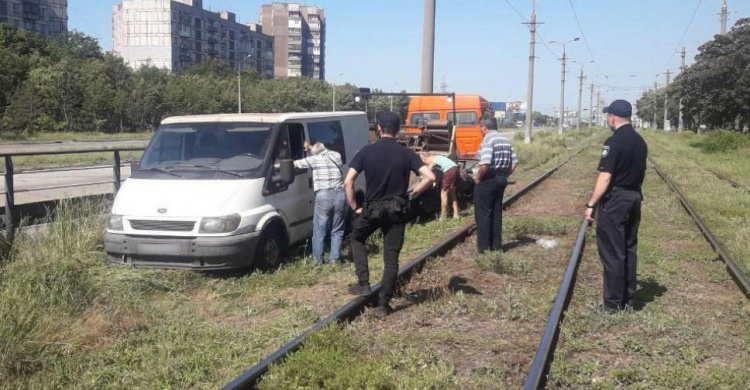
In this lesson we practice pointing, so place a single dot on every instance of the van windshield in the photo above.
(207, 150)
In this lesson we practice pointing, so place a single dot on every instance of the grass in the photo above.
(725, 209)
(694, 330)
(75, 136)
(70, 319)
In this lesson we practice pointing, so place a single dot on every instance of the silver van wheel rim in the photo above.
(271, 251)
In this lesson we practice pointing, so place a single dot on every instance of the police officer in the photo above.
(387, 166)
(497, 161)
(617, 198)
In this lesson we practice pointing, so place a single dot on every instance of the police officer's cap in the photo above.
(619, 108)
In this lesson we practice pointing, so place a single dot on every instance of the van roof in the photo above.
(258, 117)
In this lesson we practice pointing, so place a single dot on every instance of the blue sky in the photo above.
(481, 45)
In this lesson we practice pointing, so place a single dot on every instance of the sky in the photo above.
(482, 47)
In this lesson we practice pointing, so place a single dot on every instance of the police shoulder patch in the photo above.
(605, 151)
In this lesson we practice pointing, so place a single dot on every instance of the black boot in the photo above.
(360, 289)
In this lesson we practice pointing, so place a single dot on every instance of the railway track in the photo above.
(730, 181)
(540, 368)
(352, 309)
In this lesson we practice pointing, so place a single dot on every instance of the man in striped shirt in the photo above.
(330, 199)
(497, 161)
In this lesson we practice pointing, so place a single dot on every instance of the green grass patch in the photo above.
(722, 142)
(518, 227)
(509, 263)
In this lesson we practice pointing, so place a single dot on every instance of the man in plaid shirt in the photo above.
(497, 161)
(330, 199)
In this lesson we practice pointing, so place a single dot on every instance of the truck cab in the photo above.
(220, 191)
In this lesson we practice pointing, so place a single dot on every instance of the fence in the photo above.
(10, 191)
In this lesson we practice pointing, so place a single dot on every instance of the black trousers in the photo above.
(393, 240)
(488, 212)
(617, 224)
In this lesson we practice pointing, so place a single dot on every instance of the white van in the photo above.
(220, 191)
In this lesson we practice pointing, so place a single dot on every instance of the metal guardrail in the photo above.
(10, 191)
(538, 375)
(742, 280)
(251, 377)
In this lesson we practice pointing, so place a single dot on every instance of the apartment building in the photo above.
(299, 34)
(48, 18)
(177, 34)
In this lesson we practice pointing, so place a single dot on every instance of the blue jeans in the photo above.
(330, 207)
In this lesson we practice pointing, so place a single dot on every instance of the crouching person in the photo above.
(387, 166)
(330, 199)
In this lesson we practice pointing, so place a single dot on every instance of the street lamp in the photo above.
(562, 83)
(239, 82)
(391, 97)
(334, 91)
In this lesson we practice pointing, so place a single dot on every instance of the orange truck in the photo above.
(430, 122)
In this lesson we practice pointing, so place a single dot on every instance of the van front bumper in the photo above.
(199, 253)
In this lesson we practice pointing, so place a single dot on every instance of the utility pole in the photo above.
(580, 97)
(598, 104)
(656, 87)
(530, 87)
(591, 108)
(724, 18)
(562, 84)
(681, 123)
(667, 125)
(428, 47)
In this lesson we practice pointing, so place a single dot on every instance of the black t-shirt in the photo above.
(624, 156)
(386, 165)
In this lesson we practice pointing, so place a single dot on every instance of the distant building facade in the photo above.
(299, 33)
(177, 34)
(48, 18)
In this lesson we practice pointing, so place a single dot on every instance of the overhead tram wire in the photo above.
(684, 33)
(541, 38)
(586, 41)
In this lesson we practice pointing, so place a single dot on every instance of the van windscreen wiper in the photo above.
(160, 170)
(213, 168)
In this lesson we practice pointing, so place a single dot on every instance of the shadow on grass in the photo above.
(649, 290)
(455, 285)
(519, 242)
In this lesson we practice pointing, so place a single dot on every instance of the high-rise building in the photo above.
(177, 34)
(46, 17)
(299, 34)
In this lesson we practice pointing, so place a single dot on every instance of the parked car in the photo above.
(220, 191)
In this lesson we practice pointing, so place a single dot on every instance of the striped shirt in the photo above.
(326, 167)
(497, 152)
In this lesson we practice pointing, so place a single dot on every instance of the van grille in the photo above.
(169, 226)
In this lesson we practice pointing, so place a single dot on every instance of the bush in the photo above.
(722, 142)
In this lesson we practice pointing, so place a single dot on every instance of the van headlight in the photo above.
(220, 224)
(114, 222)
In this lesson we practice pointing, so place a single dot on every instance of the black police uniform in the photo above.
(387, 166)
(619, 214)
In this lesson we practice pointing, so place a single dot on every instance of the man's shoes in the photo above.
(382, 311)
(360, 289)
(607, 309)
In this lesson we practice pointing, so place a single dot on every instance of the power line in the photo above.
(544, 41)
(679, 43)
(583, 35)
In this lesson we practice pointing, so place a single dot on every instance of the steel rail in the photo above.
(251, 377)
(730, 181)
(742, 280)
(537, 377)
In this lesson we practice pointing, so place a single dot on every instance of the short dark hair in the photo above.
(390, 122)
(489, 122)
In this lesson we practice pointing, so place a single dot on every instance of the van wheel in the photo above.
(272, 248)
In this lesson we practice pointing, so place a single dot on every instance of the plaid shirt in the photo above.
(326, 167)
(497, 152)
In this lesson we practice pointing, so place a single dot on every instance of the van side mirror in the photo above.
(286, 171)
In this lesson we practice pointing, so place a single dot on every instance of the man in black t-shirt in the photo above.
(618, 197)
(387, 166)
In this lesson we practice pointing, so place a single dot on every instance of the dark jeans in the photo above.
(393, 241)
(617, 238)
(488, 212)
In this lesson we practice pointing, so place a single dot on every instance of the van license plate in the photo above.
(159, 249)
